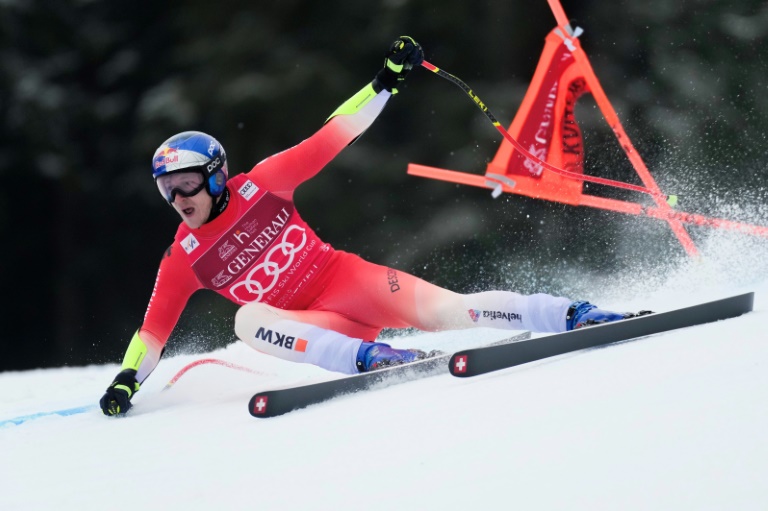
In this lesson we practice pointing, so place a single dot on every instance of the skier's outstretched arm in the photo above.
(283, 172)
(174, 285)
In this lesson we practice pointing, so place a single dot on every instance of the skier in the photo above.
(300, 299)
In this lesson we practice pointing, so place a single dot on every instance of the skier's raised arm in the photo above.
(283, 172)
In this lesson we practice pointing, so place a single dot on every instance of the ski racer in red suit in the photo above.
(302, 300)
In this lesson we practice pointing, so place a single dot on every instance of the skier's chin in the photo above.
(194, 211)
(192, 216)
(193, 220)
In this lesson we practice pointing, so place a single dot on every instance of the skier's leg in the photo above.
(312, 337)
(384, 297)
(376, 295)
(505, 309)
(298, 337)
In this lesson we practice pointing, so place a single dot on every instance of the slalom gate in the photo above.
(542, 155)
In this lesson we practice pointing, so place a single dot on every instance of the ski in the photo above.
(272, 403)
(483, 360)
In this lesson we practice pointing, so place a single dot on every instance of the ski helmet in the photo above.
(190, 152)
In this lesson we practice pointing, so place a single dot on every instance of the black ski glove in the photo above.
(117, 399)
(398, 61)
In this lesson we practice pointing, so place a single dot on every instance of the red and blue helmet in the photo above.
(188, 162)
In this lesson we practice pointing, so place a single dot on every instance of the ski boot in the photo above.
(377, 355)
(581, 314)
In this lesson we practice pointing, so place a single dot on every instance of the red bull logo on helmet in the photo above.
(166, 156)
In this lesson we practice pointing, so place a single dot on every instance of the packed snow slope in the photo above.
(675, 421)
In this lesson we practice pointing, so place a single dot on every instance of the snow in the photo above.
(673, 421)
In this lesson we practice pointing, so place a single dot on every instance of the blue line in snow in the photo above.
(64, 413)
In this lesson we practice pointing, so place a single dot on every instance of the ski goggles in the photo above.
(185, 184)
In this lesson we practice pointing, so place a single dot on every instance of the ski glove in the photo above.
(117, 399)
(398, 61)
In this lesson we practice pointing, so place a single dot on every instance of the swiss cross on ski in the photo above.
(260, 405)
(460, 366)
